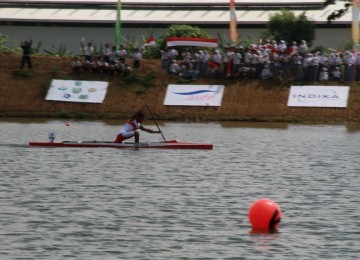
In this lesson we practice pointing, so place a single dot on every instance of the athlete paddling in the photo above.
(130, 127)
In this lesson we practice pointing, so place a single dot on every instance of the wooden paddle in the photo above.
(155, 122)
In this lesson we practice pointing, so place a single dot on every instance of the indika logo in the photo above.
(318, 96)
(325, 96)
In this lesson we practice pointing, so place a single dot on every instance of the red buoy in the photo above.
(264, 214)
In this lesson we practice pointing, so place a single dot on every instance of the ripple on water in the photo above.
(92, 203)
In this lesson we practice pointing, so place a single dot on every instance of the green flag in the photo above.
(118, 24)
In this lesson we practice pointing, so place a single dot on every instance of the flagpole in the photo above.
(118, 24)
(355, 24)
(233, 34)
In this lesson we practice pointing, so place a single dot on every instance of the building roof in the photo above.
(210, 12)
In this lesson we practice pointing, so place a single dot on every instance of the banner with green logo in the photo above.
(77, 91)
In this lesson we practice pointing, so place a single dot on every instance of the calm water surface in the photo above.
(58, 203)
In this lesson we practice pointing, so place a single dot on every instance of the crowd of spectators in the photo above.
(110, 60)
(264, 60)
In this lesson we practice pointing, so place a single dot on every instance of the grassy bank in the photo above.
(22, 94)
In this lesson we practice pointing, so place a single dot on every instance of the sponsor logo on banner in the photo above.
(318, 96)
(77, 91)
(194, 95)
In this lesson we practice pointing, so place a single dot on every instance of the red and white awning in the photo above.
(197, 42)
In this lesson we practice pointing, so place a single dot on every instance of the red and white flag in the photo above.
(150, 42)
(186, 41)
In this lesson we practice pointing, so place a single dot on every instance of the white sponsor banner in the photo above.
(318, 96)
(194, 95)
(77, 91)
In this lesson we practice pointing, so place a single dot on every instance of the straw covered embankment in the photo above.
(22, 94)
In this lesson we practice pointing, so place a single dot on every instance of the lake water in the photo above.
(80, 203)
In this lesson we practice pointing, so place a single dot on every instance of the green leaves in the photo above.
(286, 26)
(3, 41)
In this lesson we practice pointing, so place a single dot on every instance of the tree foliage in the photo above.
(288, 27)
(3, 41)
(338, 13)
(185, 31)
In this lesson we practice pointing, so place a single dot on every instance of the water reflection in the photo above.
(269, 125)
(263, 232)
(265, 240)
(351, 127)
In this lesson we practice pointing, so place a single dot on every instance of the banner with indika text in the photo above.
(77, 91)
(318, 96)
(194, 95)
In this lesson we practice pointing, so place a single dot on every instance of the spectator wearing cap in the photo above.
(216, 60)
(236, 62)
(324, 61)
(285, 65)
(294, 48)
(349, 61)
(335, 74)
(164, 58)
(315, 67)
(282, 47)
(303, 48)
(274, 46)
(266, 72)
(307, 66)
(275, 65)
(201, 63)
(297, 66)
(136, 58)
(186, 56)
(257, 64)
(172, 55)
(76, 65)
(247, 58)
(189, 72)
(227, 62)
(174, 68)
(88, 52)
(122, 54)
(324, 75)
(112, 56)
(107, 52)
(334, 61)
(205, 62)
(357, 63)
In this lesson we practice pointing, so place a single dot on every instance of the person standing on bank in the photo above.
(136, 58)
(26, 47)
(88, 52)
(130, 127)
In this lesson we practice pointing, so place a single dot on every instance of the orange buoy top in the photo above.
(264, 214)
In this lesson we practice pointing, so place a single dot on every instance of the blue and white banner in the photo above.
(318, 96)
(194, 95)
(77, 91)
